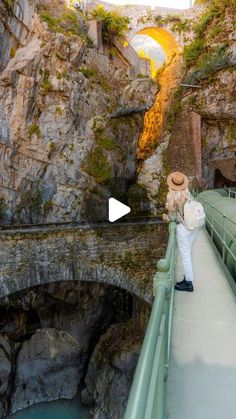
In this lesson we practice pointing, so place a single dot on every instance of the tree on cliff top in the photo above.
(113, 24)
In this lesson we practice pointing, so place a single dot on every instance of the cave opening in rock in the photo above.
(67, 336)
(221, 181)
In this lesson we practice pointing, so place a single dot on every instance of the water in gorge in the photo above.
(60, 409)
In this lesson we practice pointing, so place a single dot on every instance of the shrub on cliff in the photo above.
(210, 25)
(215, 9)
(3, 206)
(221, 4)
(63, 19)
(113, 24)
(192, 51)
(97, 165)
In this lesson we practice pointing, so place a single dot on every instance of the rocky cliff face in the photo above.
(199, 136)
(210, 65)
(54, 336)
(111, 370)
(57, 93)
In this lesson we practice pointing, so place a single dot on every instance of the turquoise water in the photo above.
(59, 409)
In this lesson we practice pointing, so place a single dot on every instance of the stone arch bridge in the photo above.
(171, 28)
(176, 22)
(31, 256)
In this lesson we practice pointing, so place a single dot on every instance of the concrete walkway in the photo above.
(202, 373)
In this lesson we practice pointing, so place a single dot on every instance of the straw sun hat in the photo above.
(177, 181)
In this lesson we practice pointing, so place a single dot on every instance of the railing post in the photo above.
(212, 222)
(223, 241)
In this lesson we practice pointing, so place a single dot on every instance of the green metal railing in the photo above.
(232, 192)
(222, 232)
(147, 399)
(217, 227)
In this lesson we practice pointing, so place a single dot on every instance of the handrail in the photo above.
(213, 222)
(148, 391)
(230, 191)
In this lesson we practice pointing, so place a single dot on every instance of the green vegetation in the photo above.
(12, 52)
(9, 3)
(170, 18)
(162, 193)
(220, 5)
(66, 22)
(190, 100)
(64, 19)
(107, 143)
(3, 206)
(231, 134)
(174, 109)
(212, 56)
(112, 52)
(59, 75)
(47, 207)
(214, 32)
(201, 52)
(59, 110)
(31, 202)
(88, 72)
(34, 129)
(46, 85)
(114, 25)
(209, 63)
(103, 81)
(95, 76)
(103, 139)
(97, 165)
(183, 25)
(201, 2)
(192, 51)
(205, 19)
(215, 9)
(137, 194)
(36, 201)
(52, 147)
(141, 76)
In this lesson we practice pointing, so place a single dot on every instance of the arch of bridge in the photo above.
(167, 41)
(143, 18)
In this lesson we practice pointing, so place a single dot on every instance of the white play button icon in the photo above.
(117, 210)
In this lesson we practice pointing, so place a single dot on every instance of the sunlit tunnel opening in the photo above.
(148, 48)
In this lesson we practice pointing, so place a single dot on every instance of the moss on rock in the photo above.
(97, 165)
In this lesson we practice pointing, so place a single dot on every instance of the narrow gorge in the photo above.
(83, 118)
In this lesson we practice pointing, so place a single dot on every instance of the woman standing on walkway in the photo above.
(177, 196)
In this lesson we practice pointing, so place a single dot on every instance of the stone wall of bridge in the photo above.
(32, 257)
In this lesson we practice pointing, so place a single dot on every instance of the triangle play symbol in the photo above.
(117, 210)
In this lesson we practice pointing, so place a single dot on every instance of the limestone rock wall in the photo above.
(56, 358)
(15, 18)
(54, 335)
(57, 93)
(112, 368)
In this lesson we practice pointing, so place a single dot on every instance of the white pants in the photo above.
(185, 240)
